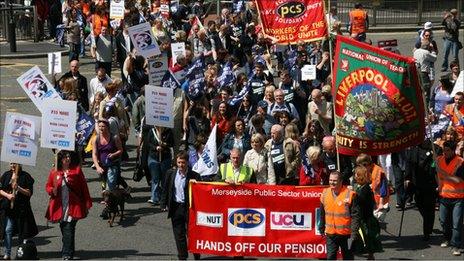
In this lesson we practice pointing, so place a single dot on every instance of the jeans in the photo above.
(450, 46)
(68, 231)
(451, 213)
(157, 171)
(113, 176)
(7, 241)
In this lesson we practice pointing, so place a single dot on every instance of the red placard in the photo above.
(255, 220)
(165, 8)
(291, 21)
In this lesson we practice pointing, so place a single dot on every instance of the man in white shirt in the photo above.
(98, 84)
(321, 110)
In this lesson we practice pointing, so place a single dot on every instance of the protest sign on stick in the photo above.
(157, 67)
(20, 138)
(176, 50)
(117, 9)
(54, 63)
(59, 125)
(159, 103)
(143, 40)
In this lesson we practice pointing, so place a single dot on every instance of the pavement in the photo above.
(30, 49)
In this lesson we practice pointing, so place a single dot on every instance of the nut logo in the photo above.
(291, 9)
(246, 218)
(156, 64)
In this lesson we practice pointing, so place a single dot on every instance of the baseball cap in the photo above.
(428, 25)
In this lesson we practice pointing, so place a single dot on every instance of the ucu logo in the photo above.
(291, 221)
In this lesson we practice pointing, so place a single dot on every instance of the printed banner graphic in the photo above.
(159, 104)
(291, 21)
(255, 220)
(20, 138)
(59, 125)
(37, 87)
(378, 100)
(143, 40)
(157, 68)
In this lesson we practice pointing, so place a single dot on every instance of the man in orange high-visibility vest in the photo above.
(359, 23)
(339, 217)
(450, 172)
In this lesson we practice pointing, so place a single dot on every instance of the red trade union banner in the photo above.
(378, 101)
(255, 220)
(291, 21)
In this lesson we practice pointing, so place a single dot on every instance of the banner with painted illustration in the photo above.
(378, 100)
(157, 68)
(37, 87)
(290, 21)
(255, 220)
(117, 9)
(59, 125)
(159, 104)
(143, 40)
(20, 138)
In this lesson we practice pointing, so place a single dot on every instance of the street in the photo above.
(146, 232)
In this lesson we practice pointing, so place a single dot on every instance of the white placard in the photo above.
(157, 67)
(459, 84)
(37, 87)
(308, 72)
(115, 24)
(20, 138)
(117, 9)
(159, 104)
(176, 50)
(143, 40)
(59, 125)
(54, 63)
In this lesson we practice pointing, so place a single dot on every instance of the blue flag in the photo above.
(291, 59)
(196, 69)
(169, 81)
(239, 97)
(227, 77)
(84, 127)
(196, 88)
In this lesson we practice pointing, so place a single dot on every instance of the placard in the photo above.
(159, 104)
(308, 72)
(59, 125)
(117, 9)
(54, 63)
(143, 40)
(37, 87)
(176, 50)
(84, 127)
(157, 67)
(20, 138)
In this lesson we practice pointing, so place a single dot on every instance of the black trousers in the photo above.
(336, 241)
(425, 202)
(179, 227)
(68, 231)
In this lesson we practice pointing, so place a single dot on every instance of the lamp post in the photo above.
(11, 29)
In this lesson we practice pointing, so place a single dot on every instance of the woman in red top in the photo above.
(69, 199)
(224, 121)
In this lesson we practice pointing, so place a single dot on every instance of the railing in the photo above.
(388, 12)
(25, 19)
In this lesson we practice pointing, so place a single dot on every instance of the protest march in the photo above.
(273, 129)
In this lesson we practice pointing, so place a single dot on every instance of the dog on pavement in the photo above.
(114, 201)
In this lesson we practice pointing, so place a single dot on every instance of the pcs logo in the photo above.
(292, 9)
(246, 222)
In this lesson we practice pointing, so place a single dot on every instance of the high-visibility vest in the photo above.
(447, 187)
(358, 21)
(98, 23)
(227, 172)
(376, 178)
(456, 116)
(337, 211)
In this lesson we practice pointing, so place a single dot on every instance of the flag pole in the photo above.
(327, 17)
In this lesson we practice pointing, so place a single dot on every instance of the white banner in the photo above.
(157, 67)
(207, 164)
(176, 50)
(143, 40)
(20, 138)
(159, 104)
(59, 125)
(54, 63)
(117, 9)
(37, 87)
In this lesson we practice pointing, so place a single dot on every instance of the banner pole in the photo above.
(327, 18)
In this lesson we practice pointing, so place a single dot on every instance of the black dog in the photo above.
(114, 201)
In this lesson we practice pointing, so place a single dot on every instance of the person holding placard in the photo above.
(16, 192)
